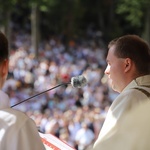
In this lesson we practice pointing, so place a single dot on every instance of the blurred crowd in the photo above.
(74, 115)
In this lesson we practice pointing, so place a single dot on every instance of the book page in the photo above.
(51, 142)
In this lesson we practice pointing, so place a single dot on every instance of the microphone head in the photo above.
(79, 81)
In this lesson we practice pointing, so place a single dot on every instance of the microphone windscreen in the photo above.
(79, 81)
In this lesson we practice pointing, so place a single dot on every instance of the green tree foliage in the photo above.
(132, 10)
(73, 17)
(6, 7)
(135, 15)
(62, 16)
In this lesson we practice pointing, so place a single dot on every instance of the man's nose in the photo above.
(107, 70)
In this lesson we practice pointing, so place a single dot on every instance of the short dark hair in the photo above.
(135, 48)
(4, 52)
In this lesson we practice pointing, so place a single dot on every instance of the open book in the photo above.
(51, 142)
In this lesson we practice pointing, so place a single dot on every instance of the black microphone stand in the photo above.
(40, 93)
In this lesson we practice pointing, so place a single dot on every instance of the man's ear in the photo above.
(127, 64)
(3, 71)
(5, 67)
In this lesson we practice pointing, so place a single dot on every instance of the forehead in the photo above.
(111, 53)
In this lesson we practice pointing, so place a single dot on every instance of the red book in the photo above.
(51, 142)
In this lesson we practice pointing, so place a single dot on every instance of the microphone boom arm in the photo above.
(40, 93)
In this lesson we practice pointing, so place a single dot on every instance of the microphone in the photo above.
(79, 81)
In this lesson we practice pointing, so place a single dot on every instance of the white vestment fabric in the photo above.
(130, 98)
(18, 132)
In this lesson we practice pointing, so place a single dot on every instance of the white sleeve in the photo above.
(25, 137)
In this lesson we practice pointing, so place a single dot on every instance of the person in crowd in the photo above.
(84, 137)
(17, 130)
(128, 70)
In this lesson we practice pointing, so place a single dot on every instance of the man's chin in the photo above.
(114, 88)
